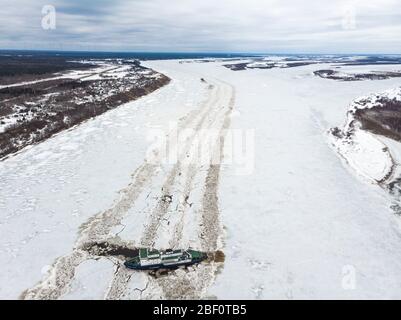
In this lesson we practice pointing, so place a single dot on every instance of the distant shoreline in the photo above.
(124, 55)
(164, 55)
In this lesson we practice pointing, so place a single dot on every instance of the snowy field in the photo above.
(300, 224)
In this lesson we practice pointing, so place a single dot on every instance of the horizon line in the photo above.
(195, 52)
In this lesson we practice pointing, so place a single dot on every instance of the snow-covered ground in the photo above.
(101, 71)
(50, 189)
(365, 154)
(300, 224)
(304, 222)
(363, 151)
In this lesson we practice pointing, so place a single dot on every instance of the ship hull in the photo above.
(135, 266)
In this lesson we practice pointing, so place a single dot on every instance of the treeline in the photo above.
(11, 66)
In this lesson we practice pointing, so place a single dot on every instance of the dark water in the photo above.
(120, 55)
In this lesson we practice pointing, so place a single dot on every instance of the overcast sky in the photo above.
(270, 26)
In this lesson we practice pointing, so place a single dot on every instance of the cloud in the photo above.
(222, 26)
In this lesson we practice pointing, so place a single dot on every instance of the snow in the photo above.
(6, 122)
(394, 147)
(373, 100)
(349, 72)
(367, 155)
(108, 69)
(297, 226)
(259, 64)
(87, 274)
(302, 214)
(30, 82)
(57, 185)
(363, 151)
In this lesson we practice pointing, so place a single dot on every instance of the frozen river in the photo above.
(297, 224)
